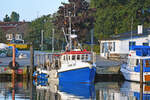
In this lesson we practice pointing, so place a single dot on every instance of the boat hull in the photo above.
(135, 76)
(82, 75)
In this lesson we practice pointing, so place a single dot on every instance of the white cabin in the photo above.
(119, 45)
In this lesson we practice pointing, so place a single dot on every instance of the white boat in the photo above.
(131, 69)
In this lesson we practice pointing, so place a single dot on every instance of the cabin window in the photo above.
(64, 57)
(78, 57)
(82, 57)
(145, 44)
(131, 43)
(73, 57)
(137, 61)
(86, 56)
(132, 62)
(147, 63)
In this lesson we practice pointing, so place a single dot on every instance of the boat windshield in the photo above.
(76, 57)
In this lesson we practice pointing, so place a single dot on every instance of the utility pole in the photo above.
(53, 41)
(42, 39)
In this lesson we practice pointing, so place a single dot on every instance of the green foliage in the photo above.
(14, 17)
(44, 23)
(2, 36)
(115, 16)
(96, 47)
(7, 18)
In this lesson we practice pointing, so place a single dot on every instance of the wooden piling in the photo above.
(31, 67)
(13, 74)
(14, 57)
(141, 79)
(31, 60)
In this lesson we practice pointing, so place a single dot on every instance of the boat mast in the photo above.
(70, 42)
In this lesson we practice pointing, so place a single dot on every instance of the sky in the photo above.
(29, 9)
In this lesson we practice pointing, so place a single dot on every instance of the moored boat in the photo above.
(131, 69)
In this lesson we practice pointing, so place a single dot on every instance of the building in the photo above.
(14, 31)
(119, 45)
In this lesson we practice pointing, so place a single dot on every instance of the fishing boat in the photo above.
(139, 56)
(73, 65)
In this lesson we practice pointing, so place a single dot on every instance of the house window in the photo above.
(18, 36)
(9, 36)
(131, 43)
(113, 46)
(145, 44)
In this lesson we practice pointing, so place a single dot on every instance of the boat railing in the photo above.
(48, 61)
(93, 57)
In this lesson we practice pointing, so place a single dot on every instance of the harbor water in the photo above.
(28, 90)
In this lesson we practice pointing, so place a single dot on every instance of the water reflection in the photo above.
(71, 91)
(133, 89)
(21, 90)
(121, 91)
(65, 91)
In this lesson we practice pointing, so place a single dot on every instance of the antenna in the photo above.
(131, 32)
(53, 41)
(131, 28)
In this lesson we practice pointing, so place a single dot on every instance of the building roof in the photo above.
(128, 35)
(9, 25)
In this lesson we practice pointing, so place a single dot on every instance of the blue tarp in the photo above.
(141, 50)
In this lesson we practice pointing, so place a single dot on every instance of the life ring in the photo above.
(13, 67)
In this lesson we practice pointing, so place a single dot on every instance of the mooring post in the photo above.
(13, 73)
(31, 67)
(14, 57)
(141, 79)
(31, 60)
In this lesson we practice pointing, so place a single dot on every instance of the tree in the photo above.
(2, 36)
(14, 17)
(43, 23)
(7, 18)
(81, 18)
(115, 16)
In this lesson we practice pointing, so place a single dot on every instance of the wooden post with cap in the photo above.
(31, 67)
(13, 73)
(141, 79)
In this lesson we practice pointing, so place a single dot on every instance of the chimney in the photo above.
(140, 29)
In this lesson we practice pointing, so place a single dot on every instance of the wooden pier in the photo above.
(105, 68)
